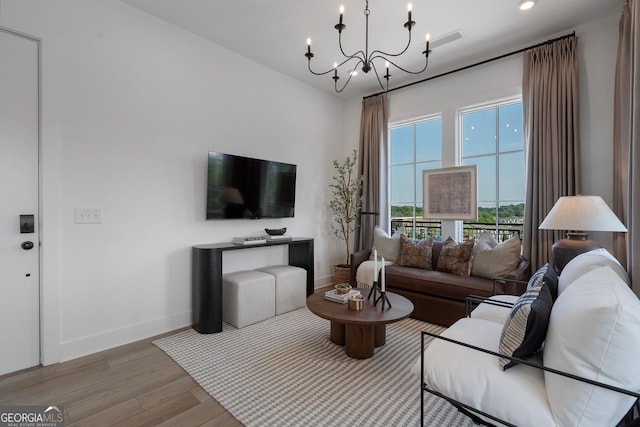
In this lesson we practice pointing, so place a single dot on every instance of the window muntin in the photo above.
(492, 139)
(414, 147)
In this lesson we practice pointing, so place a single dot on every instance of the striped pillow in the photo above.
(526, 327)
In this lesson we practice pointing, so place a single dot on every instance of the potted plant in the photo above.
(346, 189)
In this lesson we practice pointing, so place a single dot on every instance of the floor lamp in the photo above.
(579, 214)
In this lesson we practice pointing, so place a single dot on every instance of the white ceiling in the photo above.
(274, 32)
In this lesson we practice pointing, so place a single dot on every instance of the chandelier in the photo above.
(364, 59)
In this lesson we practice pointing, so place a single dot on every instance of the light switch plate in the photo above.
(88, 215)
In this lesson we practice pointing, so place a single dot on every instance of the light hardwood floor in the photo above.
(133, 385)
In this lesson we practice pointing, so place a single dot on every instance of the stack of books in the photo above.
(277, 238)
(334, 296)
(255, 240)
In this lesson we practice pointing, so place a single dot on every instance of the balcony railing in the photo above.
(423, 227)
(470, 230)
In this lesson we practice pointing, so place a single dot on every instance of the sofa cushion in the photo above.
(587, 262)
(415, 253)
(454, 258)
(387, 247)
(517, 396)
(526, 327)
(436, 283)
(493, 260)
(593, 332)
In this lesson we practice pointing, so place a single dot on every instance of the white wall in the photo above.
(130, 107)
(597, 46)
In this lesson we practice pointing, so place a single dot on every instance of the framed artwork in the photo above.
(450, 193)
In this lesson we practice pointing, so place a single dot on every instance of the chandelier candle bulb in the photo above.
(341, 13)
(428, 37)
(409, 9)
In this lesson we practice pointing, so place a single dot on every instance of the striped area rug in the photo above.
(286, 372)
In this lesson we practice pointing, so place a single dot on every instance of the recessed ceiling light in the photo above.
(526, 4)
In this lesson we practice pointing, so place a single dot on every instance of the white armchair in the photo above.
(586, 373)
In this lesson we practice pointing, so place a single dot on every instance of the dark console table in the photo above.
(206, 281)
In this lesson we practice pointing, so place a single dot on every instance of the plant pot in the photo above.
(342, 274)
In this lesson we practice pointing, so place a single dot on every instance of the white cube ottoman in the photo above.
(248, 297)
(291, 286)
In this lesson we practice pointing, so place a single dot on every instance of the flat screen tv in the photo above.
(243, 187)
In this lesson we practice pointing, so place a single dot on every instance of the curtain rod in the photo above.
(566, 36)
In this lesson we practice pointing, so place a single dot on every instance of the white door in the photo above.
(19, 265)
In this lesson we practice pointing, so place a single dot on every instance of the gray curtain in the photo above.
(626, 132)
(550, 110)
(373, 167)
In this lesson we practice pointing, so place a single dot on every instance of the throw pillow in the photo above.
(415, 253)
(593, 333)
(526, 327)
(487, 239)
(387, 247)
(546, 275)
(496, 261)
(587, 262)
(454, 258)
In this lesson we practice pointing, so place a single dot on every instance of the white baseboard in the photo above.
(321, 282)
(114, 338)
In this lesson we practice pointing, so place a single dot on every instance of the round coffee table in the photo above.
(360, 331)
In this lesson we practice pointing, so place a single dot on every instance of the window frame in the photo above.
(414, 123)
(460, 158)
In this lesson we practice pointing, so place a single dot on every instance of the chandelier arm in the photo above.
(380, 52)
(426, 63)
(375, 70)
(355, 55)
(320, 73)
(336, 78)
(344, 86)
(357, 58)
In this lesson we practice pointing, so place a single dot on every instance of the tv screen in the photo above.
(243, 187)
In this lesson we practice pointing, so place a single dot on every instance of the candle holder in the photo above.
(374, 291)
(382, 297)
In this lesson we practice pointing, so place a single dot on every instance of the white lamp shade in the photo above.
(582, 213)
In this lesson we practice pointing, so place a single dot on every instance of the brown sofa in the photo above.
(439, 297)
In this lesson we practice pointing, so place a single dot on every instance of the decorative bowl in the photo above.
(343, 288)
(275, 231)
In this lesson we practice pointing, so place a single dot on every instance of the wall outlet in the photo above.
(88, 215)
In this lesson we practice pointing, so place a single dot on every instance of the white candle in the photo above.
(382, 288)
(375, 265)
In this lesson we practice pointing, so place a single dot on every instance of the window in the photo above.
(492, 139)
(413, 147)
